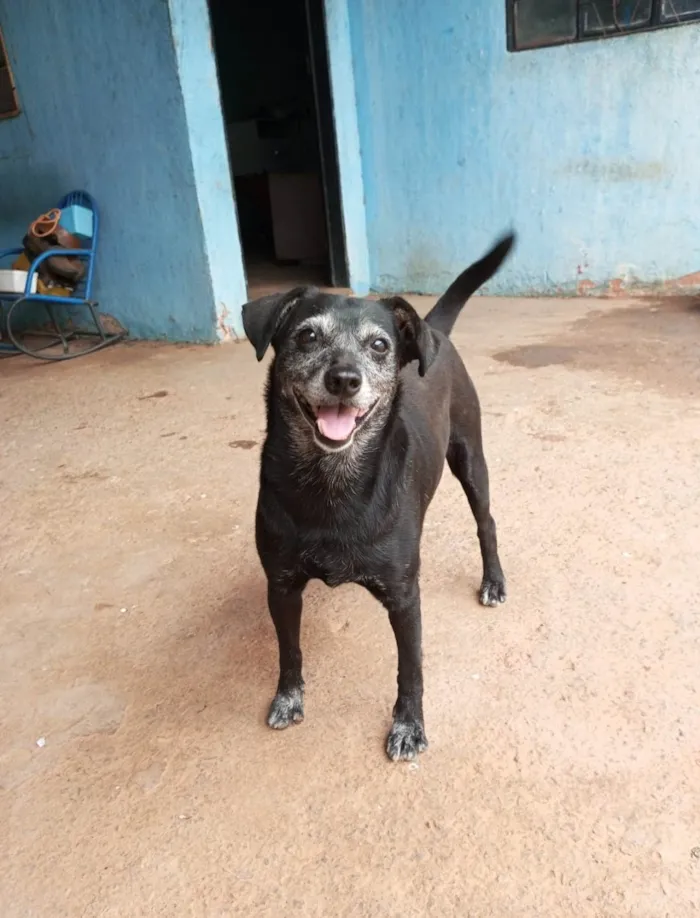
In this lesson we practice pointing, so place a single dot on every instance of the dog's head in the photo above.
(337, 359)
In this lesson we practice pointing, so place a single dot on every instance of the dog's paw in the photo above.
(406, 740)
(287, 708)
(493, 591)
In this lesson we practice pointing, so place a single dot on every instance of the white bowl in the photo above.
(15, 281)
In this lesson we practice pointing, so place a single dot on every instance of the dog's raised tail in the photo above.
(444, 313)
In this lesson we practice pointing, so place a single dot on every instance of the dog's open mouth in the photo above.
(335, 423)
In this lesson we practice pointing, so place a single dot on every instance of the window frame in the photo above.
(657, 22)
(7, 67)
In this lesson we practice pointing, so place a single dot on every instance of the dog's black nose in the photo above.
(343, 381)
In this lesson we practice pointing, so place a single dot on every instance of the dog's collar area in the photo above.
(334, 426)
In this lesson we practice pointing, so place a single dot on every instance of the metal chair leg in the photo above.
(56, 326)
(96, 319)
(104, 339)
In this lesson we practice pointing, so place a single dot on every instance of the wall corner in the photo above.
(199, 82)
(347, 137)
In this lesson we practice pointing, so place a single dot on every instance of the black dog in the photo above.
(364, 402)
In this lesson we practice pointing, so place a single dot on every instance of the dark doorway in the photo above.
(272, 60)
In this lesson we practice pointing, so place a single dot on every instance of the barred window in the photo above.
(540, 23)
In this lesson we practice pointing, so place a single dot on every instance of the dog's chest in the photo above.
(336, 561)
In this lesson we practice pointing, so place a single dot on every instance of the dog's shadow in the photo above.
(221, 659)
(219, 669)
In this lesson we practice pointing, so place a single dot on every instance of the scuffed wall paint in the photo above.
(102, 110)
(200, 91)
(589, 151)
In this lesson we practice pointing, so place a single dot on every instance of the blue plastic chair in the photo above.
(81, 297)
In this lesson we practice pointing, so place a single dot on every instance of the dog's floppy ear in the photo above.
(415, 339)
(262, 318)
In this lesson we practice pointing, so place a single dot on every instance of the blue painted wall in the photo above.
(200, 92)
(102, 109)
(590, 151)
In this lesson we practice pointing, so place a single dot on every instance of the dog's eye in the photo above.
(306, 337)
(379, 346)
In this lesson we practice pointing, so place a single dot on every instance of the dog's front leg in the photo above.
(407, 736)
(285, 608)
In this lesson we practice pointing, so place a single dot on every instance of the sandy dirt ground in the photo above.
(137, 658)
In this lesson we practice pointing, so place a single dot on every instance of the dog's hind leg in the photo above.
(465, 457)
(285, 608)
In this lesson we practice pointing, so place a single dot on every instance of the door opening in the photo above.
(275, 89)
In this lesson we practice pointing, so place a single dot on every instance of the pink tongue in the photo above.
(336, 422)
